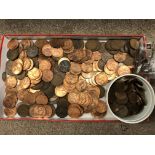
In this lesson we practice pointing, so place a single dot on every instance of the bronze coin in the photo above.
(16, 67)
(47, 50)
(88, 58)
(26, 63)
(8, 67)
(123, 70)
(73, 97)
(106, 56)
(22, 54)
(129, 61)
(101, 107)
(12, 44)
(24, 83)
(60, 91)
(57, 52)
(71, 78)
(10, 112)
(29, 97)
(87, 67)
(112, 65)
(93, 45)
(117, 44)
(78, 43)
(41, 99)
(56, 42)
(134, 43)
(75, 68)
(101, 78)
(10, 101)
(49, 111)
(81, 85)
(107, 71)
(96, 55)
(68, 86)
(44, 64)
(35, 74)
(120, 57)
(23, 109)
(25, 43)
(11, 82)
(37, 111)
(47, 75)
(67, 45)
(21, 94)
(74, 111)
(40, 43)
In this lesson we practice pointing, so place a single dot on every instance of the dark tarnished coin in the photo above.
(108, 45)
(38, 85)
(23, 109)
(133, 97)
(35, 62)
(12, 44)
(134, 43)
(13, 54)
(56, 42)
(64, 65)
(93, 45)
(102, 91)
(78, 43)
(45, 85)
(32, 51)
(133, 52)
(40, 43)
(129, 61)
(21, 75)
(57, 79)
(117, 44)
(4, 76)
(101, 64)
(113, 52)
(50, 91)
(120, 110)
(61, 112)
(102, 47)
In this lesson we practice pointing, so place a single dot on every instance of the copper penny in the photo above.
(26, 63)
(37, 111)
(101, 107)
(29, 97)
(34, 73)
(96, 55)
(73, 97)
(57, 52)
(75, 68)
(107, 71)
(22, 54)
(40, 43)
(24, 83)
(87, 67)
(21, 94)
(71, 78)
(44, 64)
(68, 86)
(12, 44)
(49, 111)
(16, 67)
(47, 75)
(11, 81)
(74, 111)
(41, 99)
(111, 76)
(120, 57)
(47, 50)
(10, 112)
(10, 101)
(101, 78)
(81, 85)
(67, 45)
(26, 43)
(60, 91)
(112, 64)
(123, 70)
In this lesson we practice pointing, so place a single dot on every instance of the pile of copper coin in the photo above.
(63, 77)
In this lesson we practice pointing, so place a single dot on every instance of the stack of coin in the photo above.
(71, 73)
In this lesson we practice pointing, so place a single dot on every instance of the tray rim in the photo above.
(82, 35)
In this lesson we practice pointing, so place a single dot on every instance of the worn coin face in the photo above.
(129, 61)
(26, 63)
(64, 64)
(57, 79)
(101, 78)
(41, 99)
(68, 45)
(23, 109)
(10, 112)
(101, 107)
(120, 56)
(73, 97)
(10, 101)
(81, 85)
(40, 43)
(60, 91)
(123, 70)
(87, 67)
(34, 74)
(11, 81)
(29, 97)
(56, 42)
(75, 68)
(13, 54)
(24, 83)
(16, 67)
(112, 65)
(57, 52)
(32, 51)
(49, 111)
(71, 78)
(47, 50)
(93, 45)
(78, 43)
(47, 75)
(12, 44)
(44, 64)
(96, 55)
(26, 43)
(117, 44)
(74, 111)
